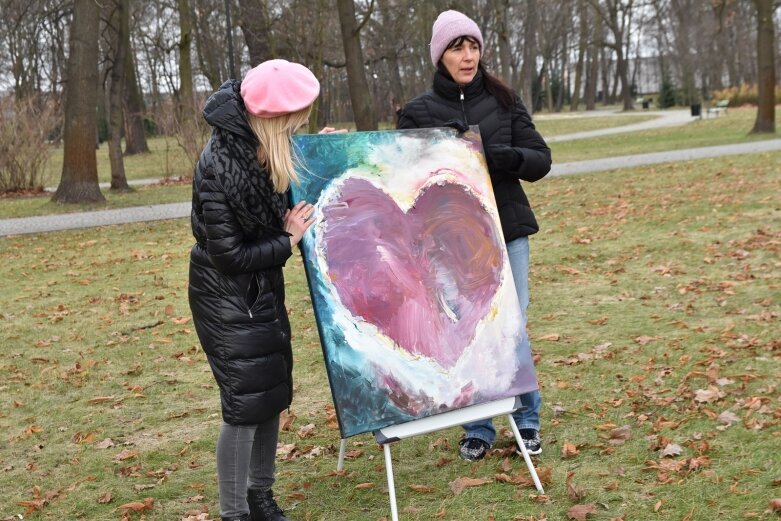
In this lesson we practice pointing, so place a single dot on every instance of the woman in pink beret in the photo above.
(244, 234)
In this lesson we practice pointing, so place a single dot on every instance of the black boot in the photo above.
(245, 517)
(263, 507)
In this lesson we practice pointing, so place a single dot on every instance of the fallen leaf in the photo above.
(286, 420)
(707, 395)
(620, 435)
(551, 338)
(105, 444)
(728, 418)
(775, 505)
(672, 449)
(100, 399)
(126, 455)
(569, 450)
(573, 492)
(306, 431)
(138, 506)
(459, 484)
(645, 339)
(364, 486)
(106, 498)
(422, 488)
(580, 512)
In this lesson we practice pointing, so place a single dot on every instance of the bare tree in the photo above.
(254, 23)
(133, 105)
(617, 14)
(363, 109)
(79, 182)
(528, 67)
(209, 47)
(766, 105)
(581, 53)
(117, 27)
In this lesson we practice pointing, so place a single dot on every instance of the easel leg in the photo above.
(342, 450)
(525, 453)
(391, 485)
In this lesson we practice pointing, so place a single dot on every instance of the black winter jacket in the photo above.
(498, 126)
(236, 289)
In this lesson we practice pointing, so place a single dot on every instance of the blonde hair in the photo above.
(274, 150)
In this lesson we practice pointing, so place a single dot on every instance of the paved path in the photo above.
(46, 223)
(67, 221)
(689, 154)
(667, 118)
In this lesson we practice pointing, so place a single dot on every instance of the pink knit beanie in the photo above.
(277, 87)
(449, 26)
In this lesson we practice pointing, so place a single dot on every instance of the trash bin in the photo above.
(696, 110)
(646, 104)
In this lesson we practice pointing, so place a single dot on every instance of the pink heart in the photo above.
(424, 278)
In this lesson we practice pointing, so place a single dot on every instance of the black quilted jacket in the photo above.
(236, 289)
(498, 126)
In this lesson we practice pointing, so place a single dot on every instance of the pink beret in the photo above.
(448, 26)
(277, 87)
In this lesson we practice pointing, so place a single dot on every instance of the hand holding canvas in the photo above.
(297, 220)
(503, 157)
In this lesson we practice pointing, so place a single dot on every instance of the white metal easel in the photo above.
(437, 422)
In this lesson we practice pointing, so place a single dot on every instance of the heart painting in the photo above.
(409, 276)
(424, 277)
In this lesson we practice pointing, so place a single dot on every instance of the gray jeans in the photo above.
(245, 459)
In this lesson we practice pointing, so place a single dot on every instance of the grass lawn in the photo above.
(13, 207)
(165, 159)
(550, 125)
(656, 300)
(727, 129)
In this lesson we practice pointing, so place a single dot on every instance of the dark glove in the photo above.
(503, 157)
(456, 124)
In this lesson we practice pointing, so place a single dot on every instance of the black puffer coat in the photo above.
(498, 126)
(236, 290)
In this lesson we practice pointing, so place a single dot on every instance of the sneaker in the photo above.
(473, 449)
(263, 506)
(531, 439)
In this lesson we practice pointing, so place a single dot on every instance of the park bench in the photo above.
(720, 107)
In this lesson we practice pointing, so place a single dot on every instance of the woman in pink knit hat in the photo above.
(244, 234)
(464, 93)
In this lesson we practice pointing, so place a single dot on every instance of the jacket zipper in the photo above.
(463, 109)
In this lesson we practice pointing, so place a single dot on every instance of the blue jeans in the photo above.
(529, 416)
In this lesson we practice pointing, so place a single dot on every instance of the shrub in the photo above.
(742, 95)
(25, 126)
(667, 93)
(189, 136)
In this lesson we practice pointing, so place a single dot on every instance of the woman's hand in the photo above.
(298, 220)
(332, 130)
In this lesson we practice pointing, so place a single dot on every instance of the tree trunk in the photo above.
(360, 95)
(206, 48)
(593, 62)
(582, 43)
(118, 27)
(135, 136)
(79, 181)
(253, 21)
(502, 8)
(186, 109)
(766, 105)
(529, 54)
(318, 68)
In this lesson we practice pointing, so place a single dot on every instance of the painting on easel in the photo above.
(410, 282)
